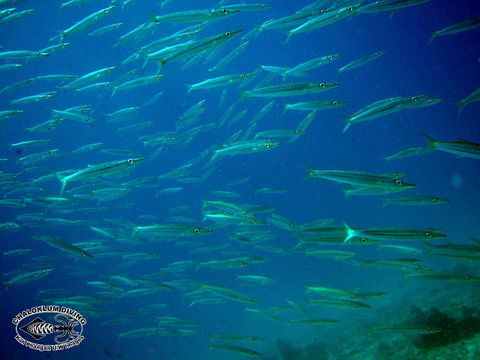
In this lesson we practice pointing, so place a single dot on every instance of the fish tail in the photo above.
(289, 36)
(134, 232)
(160, 65)
(62, 180)
(460, 105)
(244, 94)
(350, 233)
(429, 250)
(153, 18)
(430, 142)
(311, 172)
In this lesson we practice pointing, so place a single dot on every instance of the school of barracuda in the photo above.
(159, 49)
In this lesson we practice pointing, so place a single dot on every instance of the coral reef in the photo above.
(313, 351)
(455, 330)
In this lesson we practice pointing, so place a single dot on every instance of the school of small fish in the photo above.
(56, 186)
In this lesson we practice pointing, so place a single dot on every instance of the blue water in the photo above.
(448, 69)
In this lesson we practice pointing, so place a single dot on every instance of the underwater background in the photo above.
(179, 290)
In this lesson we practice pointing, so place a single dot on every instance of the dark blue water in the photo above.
(447, 69)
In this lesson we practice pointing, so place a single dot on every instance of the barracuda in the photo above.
(97, 170)
(290, 89)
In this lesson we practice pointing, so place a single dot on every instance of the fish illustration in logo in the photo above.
(38, 328)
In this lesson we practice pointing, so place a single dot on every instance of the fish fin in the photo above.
(289, 36)
(433, 37)
(62, 180)
(265, 23)
(153, 18)
(347, 126)
(350, 233)
(160, 65)
(189, 88)
(311, 171)
(244, 94)
(460, 105)
(430, 141)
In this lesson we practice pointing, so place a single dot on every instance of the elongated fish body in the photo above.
(28, 277)
(236, 349)
(315, 105)
(388, 106)
(300, 69)
(291, 20)
(327, 17)
(198, 46)
(465, 25)
(169, 230)
(62, 245)
(290, 89)
(413, 151)
(459, 148)
(97, 170)
(473, 97)
(359, 62)
(245, 7)
(86, 22)
(89, 78)
(246, 147)
(196, 15)
(224, 80)
(406, 329)
(415, 200)
(33, 98)
(135, 83)
(21, 55)
(389, 5)
(392, 234)
(441, 276)
(229, 294)
(357, 178)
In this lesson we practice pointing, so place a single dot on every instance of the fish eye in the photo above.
(428, 234)
(227, 33)
(434, 200)
(398, 182)
(224, 11)
(467, 277)
(130, 161)
(267, 145)
(334, 102)
(196, 231)
(253, 221)
(363, 239)
(321, 84)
